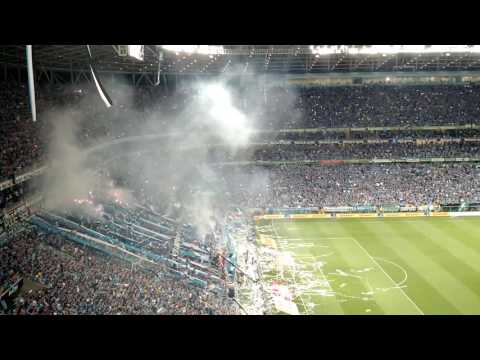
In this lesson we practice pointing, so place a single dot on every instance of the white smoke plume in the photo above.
(68, 177)
(173, 172)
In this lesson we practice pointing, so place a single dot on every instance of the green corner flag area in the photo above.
(378, 266)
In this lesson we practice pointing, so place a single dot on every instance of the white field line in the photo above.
(405, 274)
(301, 298)
(388, 276)
(328, 283)
(321, 238)
(324, 277)
(326, 280)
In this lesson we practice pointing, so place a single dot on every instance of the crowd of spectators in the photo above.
(67, 279)
(70, 279)
(13, 195)
(347, 134)
(23, 143)
(347, 151)
(349, 185)
(373, 105)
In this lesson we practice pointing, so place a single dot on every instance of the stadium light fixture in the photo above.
(392, 49)
(196, 49)
(136, 51)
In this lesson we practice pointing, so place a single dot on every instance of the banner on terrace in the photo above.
(408, 208)
(439, 214)
(353, 215)
(338, 209)
(377, 141)
(375, 161)
(411, 214)
(309, 216)
(331, 162)
(464, 213)
(270, 216)
(391, 208)
(292, 210)
(365, 208)
(334, 216)
(6, 184)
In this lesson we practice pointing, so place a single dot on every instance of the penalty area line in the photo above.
(388, 276)
(294, 280)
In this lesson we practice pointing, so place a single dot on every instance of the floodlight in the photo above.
(136, 51)
(392, 49)
(195, 49)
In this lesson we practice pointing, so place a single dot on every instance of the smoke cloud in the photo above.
(173, 172)
(68, 178)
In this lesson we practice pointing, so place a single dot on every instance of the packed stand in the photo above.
(348, 185)
(21, 144)
(66, 279)
(346, 151)
(372, 105)
(24, 142)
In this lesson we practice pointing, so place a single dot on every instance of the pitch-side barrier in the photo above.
(365, 216)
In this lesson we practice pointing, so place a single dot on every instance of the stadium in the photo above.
(239, 179)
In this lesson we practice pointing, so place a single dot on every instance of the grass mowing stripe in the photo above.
(347, 299)
(323, 304)
(382, 241)
(447, 239)
(462, 225)
(355, 288)
(387, 294)
(432, 268)
(440, 256)
(449, 253)
(388, 276)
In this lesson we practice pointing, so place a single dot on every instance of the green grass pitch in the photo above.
(379, 266)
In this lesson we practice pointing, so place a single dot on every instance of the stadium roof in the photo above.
(238, 59)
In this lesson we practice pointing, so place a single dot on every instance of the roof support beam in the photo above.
(81, 74)
(149, 79)
(165, 84)
(77, 78)
(137, 82)
(55, 77)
